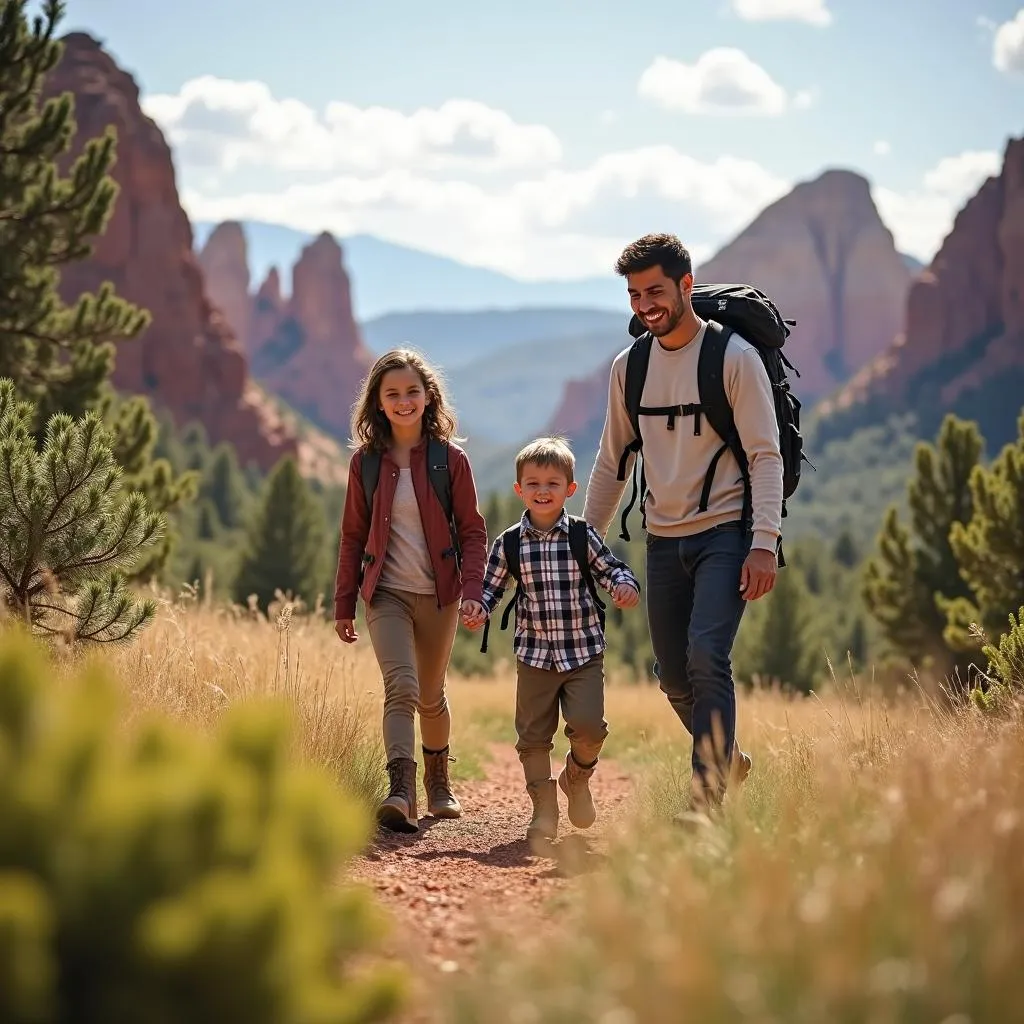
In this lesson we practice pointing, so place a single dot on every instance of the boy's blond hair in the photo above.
(547, 451)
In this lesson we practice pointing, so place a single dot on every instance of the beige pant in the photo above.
(412, 639)
(539, 693)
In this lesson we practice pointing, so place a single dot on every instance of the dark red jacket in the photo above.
(359, 534)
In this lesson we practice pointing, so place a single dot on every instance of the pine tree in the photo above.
(67, 530)
(783, 651)
(989, 548)
(914, 570)
(59, 358)
(224, 486)
(285, 545)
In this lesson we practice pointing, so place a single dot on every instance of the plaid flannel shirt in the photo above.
(556, 620)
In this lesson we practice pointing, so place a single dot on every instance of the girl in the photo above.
(412, 564)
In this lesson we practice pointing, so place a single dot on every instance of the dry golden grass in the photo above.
(871, 869)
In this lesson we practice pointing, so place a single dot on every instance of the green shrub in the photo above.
(154, 876)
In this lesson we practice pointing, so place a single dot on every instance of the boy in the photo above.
(559, 634)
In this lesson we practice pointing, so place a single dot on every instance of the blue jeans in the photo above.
(694, 607)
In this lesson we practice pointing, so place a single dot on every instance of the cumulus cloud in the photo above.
(1008, 45)
(224, 125)
(921, 219)
(813, 12)
(558, 224)
(724, 80)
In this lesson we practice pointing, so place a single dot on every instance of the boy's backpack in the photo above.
(751, 314)
(578, 545)
(440, 480)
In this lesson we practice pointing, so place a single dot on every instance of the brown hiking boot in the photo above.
(398, 811)
(441, 801)
(544, 823)
(573, 782)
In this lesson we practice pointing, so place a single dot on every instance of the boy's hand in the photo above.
(625, 595)
(473, 614)
(346, 629)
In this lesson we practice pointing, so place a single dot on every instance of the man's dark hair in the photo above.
(661, 250)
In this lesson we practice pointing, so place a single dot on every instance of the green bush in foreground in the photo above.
(158, 877)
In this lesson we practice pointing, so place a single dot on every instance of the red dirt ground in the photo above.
(448, 883)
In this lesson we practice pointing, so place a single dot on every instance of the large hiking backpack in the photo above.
(440, 481)
(751, 314)
(578, 545)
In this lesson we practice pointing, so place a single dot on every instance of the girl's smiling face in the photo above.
(403, 398)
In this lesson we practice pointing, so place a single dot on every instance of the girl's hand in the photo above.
(346, 629)
(473, 614)
(625, 595)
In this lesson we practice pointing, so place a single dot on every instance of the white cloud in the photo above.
(814, 12)
(921, 219)
(558, 224)
(724, 80)
(881, 148)
(224, 125)
(1008, 45)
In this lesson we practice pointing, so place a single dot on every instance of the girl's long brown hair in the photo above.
(371, 429)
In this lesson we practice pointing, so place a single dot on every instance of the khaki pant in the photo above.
(412, 639)
(539, 694)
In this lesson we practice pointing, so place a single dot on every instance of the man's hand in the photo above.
(346, 629)
(625, 595)
(758, 574)
(473, 614)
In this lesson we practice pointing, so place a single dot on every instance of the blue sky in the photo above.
(538, 137)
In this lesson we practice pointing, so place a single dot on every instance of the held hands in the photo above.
(473, 614)
(758, 574)
(625, 595)
(346, 630)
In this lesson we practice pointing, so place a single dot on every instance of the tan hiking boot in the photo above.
(574, 783)
(441, 801)
(397, 811)
(544, 823)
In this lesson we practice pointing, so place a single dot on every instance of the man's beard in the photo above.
(670, 322)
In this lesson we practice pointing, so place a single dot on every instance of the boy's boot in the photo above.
(544, 823)
(441, 801)
(574, 783)
(398, 810)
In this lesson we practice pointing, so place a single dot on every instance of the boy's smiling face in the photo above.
(544, 490)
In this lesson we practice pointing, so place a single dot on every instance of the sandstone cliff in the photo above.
(307, 349)
(963, 334)
(824, 255)
(188, 360)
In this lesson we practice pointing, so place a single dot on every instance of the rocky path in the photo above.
(453, 880)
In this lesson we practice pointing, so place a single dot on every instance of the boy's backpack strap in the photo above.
(718, 412)
(441, 481)
(510, 547)
(579, 544)
(637, 361)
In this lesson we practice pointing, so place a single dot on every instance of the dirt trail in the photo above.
(451, 881)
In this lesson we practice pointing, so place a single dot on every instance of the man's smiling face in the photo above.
(657, 300)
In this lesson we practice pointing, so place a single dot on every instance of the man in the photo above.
(703, 562)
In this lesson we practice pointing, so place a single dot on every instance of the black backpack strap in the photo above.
(369, 474)
(637, 362)
(718, 412)
(579, 544)
(441, 481)
(510, 547)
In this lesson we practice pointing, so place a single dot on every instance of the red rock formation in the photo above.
(824, 255)
(225, 264)
(307, 350)
(188, 359)
(970, 295)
